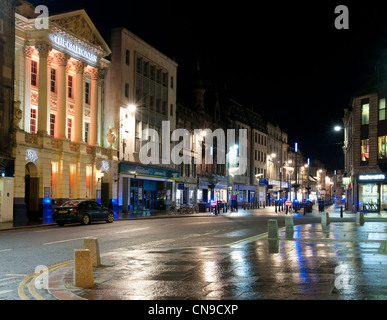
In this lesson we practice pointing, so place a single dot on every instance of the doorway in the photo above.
(31, 188)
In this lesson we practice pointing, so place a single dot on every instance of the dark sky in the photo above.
(286, 59)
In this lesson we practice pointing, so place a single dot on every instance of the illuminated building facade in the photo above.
(61, 150)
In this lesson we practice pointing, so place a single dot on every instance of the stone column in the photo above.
(43, 106)
(27, 89)
(61, 116)
(78, 98)
(94, 107)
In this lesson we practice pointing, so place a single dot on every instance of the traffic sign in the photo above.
(288, 203)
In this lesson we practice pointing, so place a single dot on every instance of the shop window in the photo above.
(365, 114)
(368, 197)
(382, 109)
(365, 150)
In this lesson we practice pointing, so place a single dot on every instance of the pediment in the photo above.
(79, 24)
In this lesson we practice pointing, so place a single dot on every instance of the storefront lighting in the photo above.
(132, 108)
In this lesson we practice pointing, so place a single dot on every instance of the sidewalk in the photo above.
(340, 261)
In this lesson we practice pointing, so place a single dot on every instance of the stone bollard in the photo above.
(360, 218)
(325, 218)
(83, 269)
(289, 226)
(272, 229)
(91, 243)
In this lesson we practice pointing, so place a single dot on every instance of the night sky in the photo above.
(285, 59)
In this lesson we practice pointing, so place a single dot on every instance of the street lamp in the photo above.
(338, 128)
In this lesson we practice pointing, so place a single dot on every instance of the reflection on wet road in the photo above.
(341, 261)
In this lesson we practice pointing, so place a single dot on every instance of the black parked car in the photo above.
(83, 211)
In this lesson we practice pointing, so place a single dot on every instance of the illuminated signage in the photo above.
(73, 48)
(346, 180)
(378, 176)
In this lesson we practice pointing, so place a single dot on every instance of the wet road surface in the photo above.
(341, 261)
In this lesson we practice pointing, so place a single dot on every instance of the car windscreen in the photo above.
(71, 203)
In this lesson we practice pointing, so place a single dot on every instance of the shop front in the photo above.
(372, 192)
(214, 188)
(146, 188)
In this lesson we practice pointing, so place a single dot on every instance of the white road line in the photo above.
(54, 242)
(4, 250)
(4, 279)
(131, 230)
(5, 291)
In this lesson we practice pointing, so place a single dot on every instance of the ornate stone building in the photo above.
(61, 150)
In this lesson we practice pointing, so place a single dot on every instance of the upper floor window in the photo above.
(127, 57)
(365, 150)
(34, 73)
(87, 92)
(365, 113)
(53, 80)
(70, 86)
(382, 109)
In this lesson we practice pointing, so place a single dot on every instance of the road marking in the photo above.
(5, 250)
(131, 230)
(5, 291)
(60, 241)
(4, 279)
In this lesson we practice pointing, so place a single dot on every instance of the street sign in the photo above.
(288, 203)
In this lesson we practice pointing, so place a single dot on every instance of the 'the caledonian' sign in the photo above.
(377, 176)
(73, 48)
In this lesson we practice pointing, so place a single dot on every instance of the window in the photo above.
(87, 92)
(126, 90)
(86, 137)
(365, 150)
(382, 109)
(127, 57)
(164, 108)
(69, 128)
(152, 72)
(33, 121)
(52, 124)
(365, 113)
(34, 73)
(145, 68)
(382, 147)
(70, 86)
(165, 79)
(139, 65)
(158, 102)
(255, 156)
(171, 82)
(53, 80)
(151, 102)
(158, 75)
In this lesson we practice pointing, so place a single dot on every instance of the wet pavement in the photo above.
(340, 261)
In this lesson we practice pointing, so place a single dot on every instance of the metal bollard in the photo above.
(83, 269)
(341, 211)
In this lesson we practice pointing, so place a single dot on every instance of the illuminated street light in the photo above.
(132, 108)
(338, 128)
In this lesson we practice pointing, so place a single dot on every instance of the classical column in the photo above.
(94, 107)
(27, 89)
(78, 99)
(61, 116)
(43, 109)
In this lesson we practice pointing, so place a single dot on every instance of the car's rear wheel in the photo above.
(110, 218)
(85, 219)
